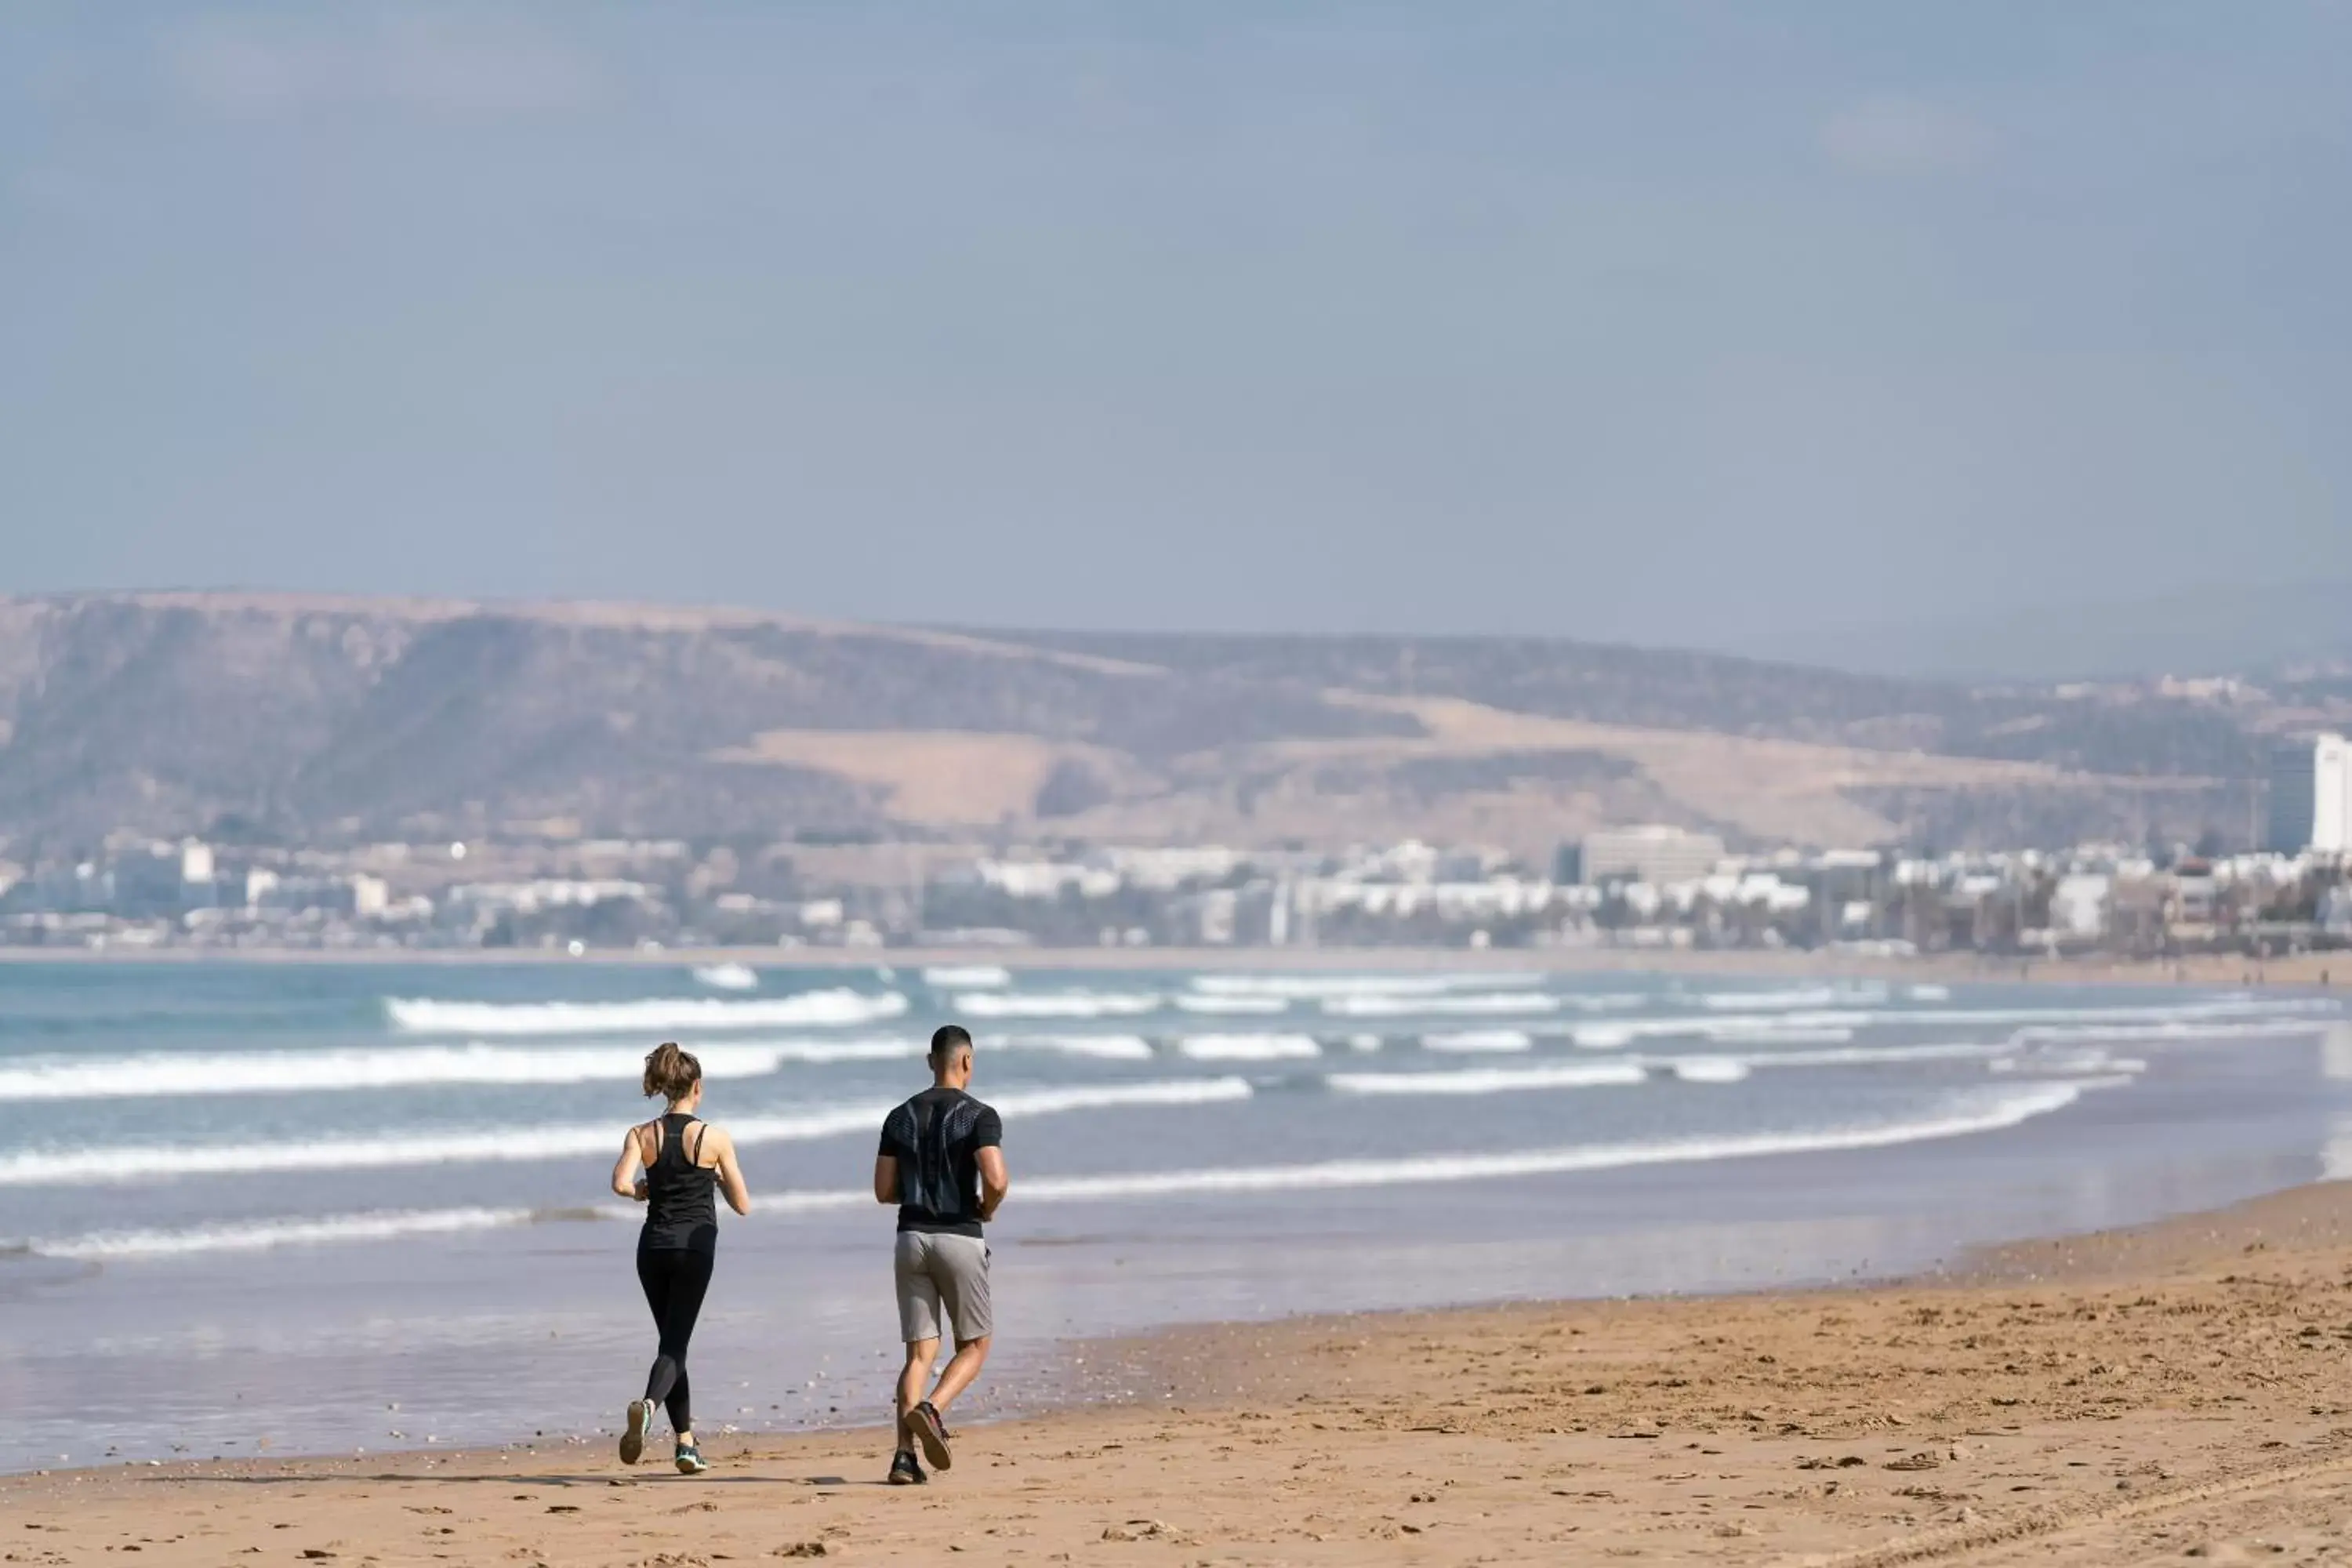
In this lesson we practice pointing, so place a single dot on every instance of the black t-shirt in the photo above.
(937, 1138)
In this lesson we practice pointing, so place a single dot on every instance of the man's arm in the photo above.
(988, 1154)
(885, 1178)
(994, 1181)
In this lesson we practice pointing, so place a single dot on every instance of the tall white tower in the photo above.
(2311, 796)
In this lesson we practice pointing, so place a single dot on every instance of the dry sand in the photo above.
(2175, 1394)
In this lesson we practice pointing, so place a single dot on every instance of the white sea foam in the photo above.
(1622, 1032)
(1709, 1069)
(1971, 1111)
(174, 1074)
(258, 1235)
(1966, 1114)
(1931, 993)
(1793, 997)
(512, 1145)
(967, 977)
(1110, 1096)
(1491, 1080)
(882, 1048)
(1249, 1048)
(1873, 1055)
(2221, 1009)
(728, 977)
(1838, 1023)
(1103, 1048)
(659, 1015)
(2178, 1029)
(2069, 1064)
(1466, 1003)
(1736, 1033)
(1294, 987)
(1057, 1003)
(1223, 1004)
(1466, 1041)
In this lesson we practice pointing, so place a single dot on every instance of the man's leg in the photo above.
(959, 1265)
(918, 1330)
(912, 1378)
(924, 1421)
(971, 1355)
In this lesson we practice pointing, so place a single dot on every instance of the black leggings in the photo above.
(675, 1279)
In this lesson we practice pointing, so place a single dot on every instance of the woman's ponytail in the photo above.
(671, 1073)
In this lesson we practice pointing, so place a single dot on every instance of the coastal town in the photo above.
(1643, 887)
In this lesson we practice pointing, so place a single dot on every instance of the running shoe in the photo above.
(633, 1437)
(932, 1434)
(690, 1461)
(906, 1471)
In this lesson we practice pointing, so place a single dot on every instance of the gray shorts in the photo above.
(942, 1280)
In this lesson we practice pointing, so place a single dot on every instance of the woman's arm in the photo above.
(628, 1171)
(730, 1175)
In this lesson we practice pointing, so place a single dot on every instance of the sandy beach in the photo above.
(2174, 1392)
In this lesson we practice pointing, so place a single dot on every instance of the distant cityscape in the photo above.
(1652, 886)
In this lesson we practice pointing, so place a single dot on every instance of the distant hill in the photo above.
(321, 719)
(2218, 631)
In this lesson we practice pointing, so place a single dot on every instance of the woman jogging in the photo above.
(671, 1167)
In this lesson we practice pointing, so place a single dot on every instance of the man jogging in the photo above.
(942, 1163)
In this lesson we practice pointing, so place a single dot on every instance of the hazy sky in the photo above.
(1670, 322)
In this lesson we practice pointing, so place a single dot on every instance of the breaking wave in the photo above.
(1311, 987)
(1470, 1003)
(1249, 1047)
(1241, 1004)
(178, 1073)
(1102, 1047)
(1479, 1041)
(967, 977)
(1965, 1114)
(1058, 1004)
(1491, 1080)
(509, 1146)
(660, 1015)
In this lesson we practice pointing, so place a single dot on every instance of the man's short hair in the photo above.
(947, 1039)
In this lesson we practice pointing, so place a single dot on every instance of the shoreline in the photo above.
(2319, 971)
(2167, 1388)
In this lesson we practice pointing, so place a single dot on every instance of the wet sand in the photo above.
(2180, 1392)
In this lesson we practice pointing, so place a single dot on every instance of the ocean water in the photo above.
(279, 1208)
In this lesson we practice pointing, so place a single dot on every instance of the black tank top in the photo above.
(681, 1207)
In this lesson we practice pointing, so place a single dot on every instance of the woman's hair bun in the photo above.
(671, 1073)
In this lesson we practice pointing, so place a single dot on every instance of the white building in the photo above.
(2335, 910)
(1163, 871)
(544, 893)
(2078, 905)
(1220, 907)
(370, 896)
(1045, 878)
(2311, 796)
(1656, 855)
